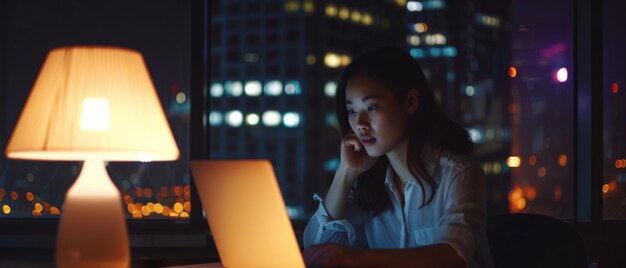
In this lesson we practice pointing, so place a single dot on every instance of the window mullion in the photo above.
(588, 110)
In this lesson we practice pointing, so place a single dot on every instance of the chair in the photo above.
(533, 240)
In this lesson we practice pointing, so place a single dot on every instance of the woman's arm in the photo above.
(337, 196)
(333, 255)
(331, 222)
(354, 161)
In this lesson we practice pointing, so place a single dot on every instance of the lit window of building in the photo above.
(413, 40)
(433, 4)
(233, 88)
(332, 60)
(417, 53)
(271, 118)
(367, 19)
(291, 119)
(252, 119)
(292, 6)
(331, 10)
(215, 118)
(251, 57)
(308, 6)
(344, 13)
(356, 16)
(217, 90)
(253, 88)
(330, 88)
(414, 6)
(273, 88)
(292, 88)
(420, 27)
(234, 118)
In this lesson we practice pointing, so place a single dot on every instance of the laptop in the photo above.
(246, 213)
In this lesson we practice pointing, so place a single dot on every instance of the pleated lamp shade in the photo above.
(93, 102)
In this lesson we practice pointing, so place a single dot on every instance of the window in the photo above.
(292, 37)
(253, 39)
(233, 40)
(252, 71)
(272, 70)
(233, 55)
(252, 24)
(272, 38)
(273, 54)
(540, 132)
(494, 84)
(157, 190)
(500, 84)
(614, 85)
(216, 34)
(233, 9)
(253, 7)
(272, 23)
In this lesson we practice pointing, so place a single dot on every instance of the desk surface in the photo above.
(187, 257)
(201, 265)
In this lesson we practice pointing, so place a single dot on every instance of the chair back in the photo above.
(533, 240)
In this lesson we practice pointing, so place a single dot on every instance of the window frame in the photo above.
(588, 203)
(41, 232)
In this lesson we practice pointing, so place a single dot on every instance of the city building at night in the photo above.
(538, 85)
(274, 65)
(463, 48)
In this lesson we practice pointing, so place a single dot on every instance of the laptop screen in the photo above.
(246, 213)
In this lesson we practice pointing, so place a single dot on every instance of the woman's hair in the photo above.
(399, 72)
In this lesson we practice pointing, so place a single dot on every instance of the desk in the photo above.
(141, 257)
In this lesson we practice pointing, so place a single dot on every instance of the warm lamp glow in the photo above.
(92, 104)
(95, 115)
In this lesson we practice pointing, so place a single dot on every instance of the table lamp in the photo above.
(93, 104)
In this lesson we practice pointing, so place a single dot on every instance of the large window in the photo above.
(614, 84)
(503, 69)
(541, 108)
(158, 190)
(496, 70)
(505, 76)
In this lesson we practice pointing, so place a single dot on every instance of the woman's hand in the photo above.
(353, 154)
(332, 255)
(354, 161)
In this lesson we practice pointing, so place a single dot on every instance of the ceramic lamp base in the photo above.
(92, 230)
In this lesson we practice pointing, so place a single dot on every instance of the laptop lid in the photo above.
(246, 213)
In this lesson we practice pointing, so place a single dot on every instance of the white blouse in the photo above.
(455, 216)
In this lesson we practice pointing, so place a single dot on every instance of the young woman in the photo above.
(405, 193)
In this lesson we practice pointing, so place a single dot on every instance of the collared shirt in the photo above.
(455, 216)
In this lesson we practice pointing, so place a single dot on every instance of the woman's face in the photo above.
(377, 117)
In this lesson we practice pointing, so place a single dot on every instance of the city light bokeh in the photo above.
(506, 77)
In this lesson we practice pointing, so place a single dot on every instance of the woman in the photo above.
(405, 193)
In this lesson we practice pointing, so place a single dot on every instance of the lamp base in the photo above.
(92, 230)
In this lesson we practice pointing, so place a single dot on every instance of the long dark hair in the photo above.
(399, 72)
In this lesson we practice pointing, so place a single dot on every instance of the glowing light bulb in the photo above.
(512, 72)
(54, 211)
(178, 207)
(561, 75)
(513, 161)
(158, 208)
(95, 115)
(6, 209)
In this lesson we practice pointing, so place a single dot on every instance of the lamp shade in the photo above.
(93, 102)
